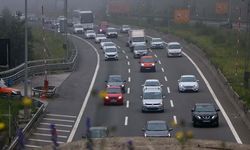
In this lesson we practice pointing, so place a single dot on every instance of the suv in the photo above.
(152, 100)
(174, 49)
(78, 28)
(114, 95)
(140, 50)
(111, 33)
(116, 80)
(205, 114)
(111, 53)
(147, 63)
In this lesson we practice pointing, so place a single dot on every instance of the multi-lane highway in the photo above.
(76, 102)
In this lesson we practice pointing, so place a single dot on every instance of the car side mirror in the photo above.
(170, 129)
(197, 80)
(143, 129)
(178, 80)
(106, 81)
(163, 96)
(141, 96)
(192, 110)
(217, 109)
(162, 85)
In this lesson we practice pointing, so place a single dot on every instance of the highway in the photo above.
(77, 102)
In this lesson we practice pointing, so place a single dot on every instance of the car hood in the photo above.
(90, 33)
(112, 33)
(114, 95)
(78, 28)
(188, 83)
(174, 50)
(205, 113)
(100, 38)
(164, 133)
(157, 43)
(152, 101)
(110, 53)
(115, 83)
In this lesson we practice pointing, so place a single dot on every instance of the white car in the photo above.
(188, 83)
(111, 33)
(103, 41)
(174, 49)
(125, 28)
(152, 83)
(90, 34)
(99, 37)
(108, 45)
(111, 54)
(78, 28)
(156, 43)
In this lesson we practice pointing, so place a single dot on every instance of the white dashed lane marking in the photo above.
(168, 89)
(165, 77)
(126, 57)
(156, 56)
(128, 90)
(127, 103)
(123, 51)
(128, 63)
(129, 79)
(175, 119)
(159, 62)
(171, 103)
(162, 69)
(128, 70)
(126, 121)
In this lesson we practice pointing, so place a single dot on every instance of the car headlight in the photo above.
(142, 65)
(214, 116)
(120, 97)
(181, 85)
(145, 135)
(199, 117)
(106, 97)
(122, 85)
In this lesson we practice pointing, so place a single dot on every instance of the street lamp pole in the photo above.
(26, 53)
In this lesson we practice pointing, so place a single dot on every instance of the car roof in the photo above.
(188, 76)
(110, 76)
(147, 57)
(152, 80)
(156, 121)
(174, 43)
(204, 104)
(156, 38)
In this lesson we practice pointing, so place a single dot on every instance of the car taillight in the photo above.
(120, 97)
(106, 97)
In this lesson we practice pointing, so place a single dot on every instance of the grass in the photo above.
(219, 44)
(53, 44)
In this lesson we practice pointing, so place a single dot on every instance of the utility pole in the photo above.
(66, 28)
(26, 53)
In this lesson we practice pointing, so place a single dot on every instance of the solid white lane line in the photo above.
(59, 125)
(127, 103)
(79, 117)
(236, 136)
(126, 121)
(168, 89)
(165, 77)
(129, 79)
(42, 134)
(126, 57)
(171, 103)
(46, 141)
(62, 120)
(128, 90)
(162, 69)
(128, 63)
(159, 61)
(57, 115)
(175, 119)
(33, 146)
(156, 56)
(128, 70)
(47, 129)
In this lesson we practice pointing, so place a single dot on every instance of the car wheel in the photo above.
(217, 124)
(141, 69)
(194, 124)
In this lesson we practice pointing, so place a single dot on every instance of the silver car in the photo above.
(188, 83)
(174, 49)
(99, 37)
(90, 34)
(156, 43)
(111, 53)
(157, 128)
(152, 83)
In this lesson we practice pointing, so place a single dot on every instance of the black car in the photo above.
(204, 114)
(116, 80)
(157, 128)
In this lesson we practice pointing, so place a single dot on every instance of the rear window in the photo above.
(113, 90)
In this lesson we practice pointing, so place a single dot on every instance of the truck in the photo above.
(136, 37)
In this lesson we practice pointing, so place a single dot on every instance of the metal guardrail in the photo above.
(30, 124)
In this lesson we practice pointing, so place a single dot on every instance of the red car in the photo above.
(103, 27)
(113, 96)
(147, 63)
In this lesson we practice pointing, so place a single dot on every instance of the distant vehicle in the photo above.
(156, 43)
(97, 132)
(114, 95)
(147, 63)
(116, 80)
(136, 37)
(99, 37)
(62, 24)
(152, 100)
(103, 41)
(78, 28)
(157, 128)
(111, 53)
(90, 34)
(111, 33)
(86, 18)
(9, 92)
(174, 49)
(108, 45)
(152, 83)
(125, 28)
(103, 27)
(188, 83)
(140, 50)
(205, 114)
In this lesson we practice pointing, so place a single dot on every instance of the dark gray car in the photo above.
(116, 80)
(97, 132)
(157, 128)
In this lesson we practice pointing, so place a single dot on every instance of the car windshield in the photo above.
(174, 46)
(157, 40)
(112, 30)
(204, 108)
(157, 126)
(113, 90)
(98, 133)
(125, 26)
(109, 44)
(115, 79)
(78, 26)
(152, 83)
(147, 60)
(100, 35)
(110, 50)
(188, 79)
(152, 95)
(138, 39)
(90, 31)
(140, 47)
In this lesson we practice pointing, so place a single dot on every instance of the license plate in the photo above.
(113, 101)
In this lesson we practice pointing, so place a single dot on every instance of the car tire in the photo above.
(194, 124)
(141, 69)
(216, 124)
